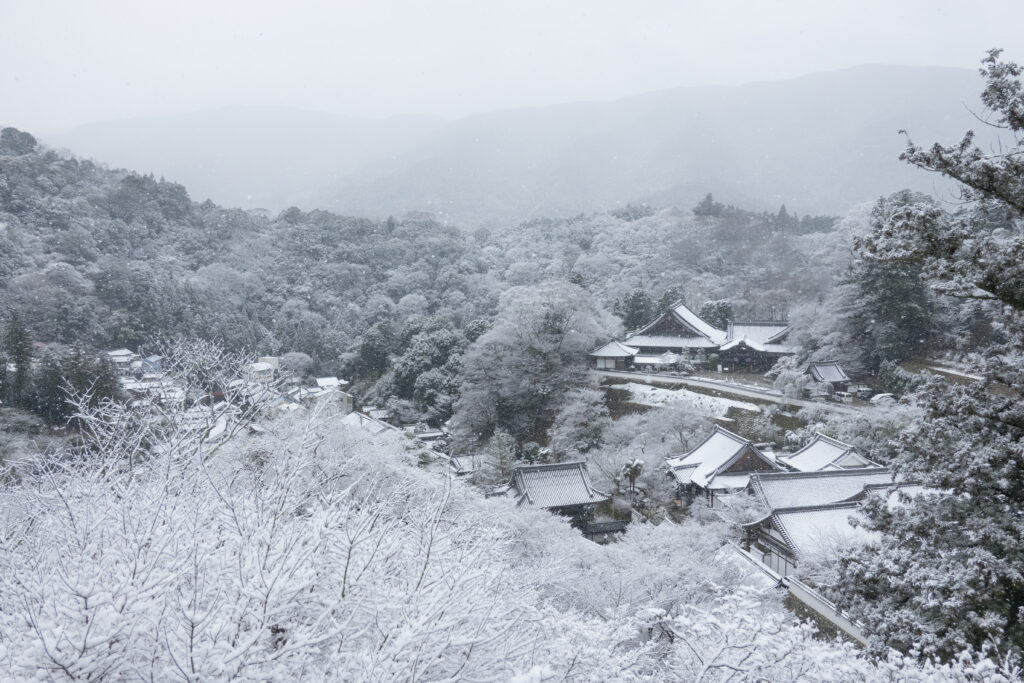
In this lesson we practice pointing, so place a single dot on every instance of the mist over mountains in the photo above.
(819, 144)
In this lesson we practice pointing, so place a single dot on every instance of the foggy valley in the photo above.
(576, 341)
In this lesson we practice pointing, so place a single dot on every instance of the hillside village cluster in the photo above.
(809, 498)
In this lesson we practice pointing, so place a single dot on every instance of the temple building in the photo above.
(679, 332)
(563, 488)
(722, 463)
(829, 372)
(824, 453)
(809, 513)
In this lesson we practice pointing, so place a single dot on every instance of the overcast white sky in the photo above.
(63, 63)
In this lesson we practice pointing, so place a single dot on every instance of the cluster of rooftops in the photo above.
(807, 498)
(681, 331)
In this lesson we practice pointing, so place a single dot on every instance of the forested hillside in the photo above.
(113, 258)
(236, 532)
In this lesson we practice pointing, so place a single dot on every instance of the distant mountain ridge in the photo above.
(819, 143)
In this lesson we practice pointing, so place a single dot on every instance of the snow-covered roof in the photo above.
(669, 342)
(121, 355)
(614, 349)
(683, 313)
(825, 453)
(759, 336)
(779, 348)
(719, 450)
(325, 382)
(367, 423)
(705, 334)
(751, 572)
(823, 527)
(827, 371)
(758, 332)
(749, 343)
(778, 490)
(557, 485)
(729, 482)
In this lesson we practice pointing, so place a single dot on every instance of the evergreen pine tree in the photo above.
(635, 309)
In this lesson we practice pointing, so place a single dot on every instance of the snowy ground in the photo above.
(953, 371)
(647, 395)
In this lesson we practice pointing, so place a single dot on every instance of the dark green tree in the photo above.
(717, 313)
(947, 573)
(708, 207)
(669, 297)
(887, 312)
(79, 374)
(16, 142)
(635, 309)
(18, 347)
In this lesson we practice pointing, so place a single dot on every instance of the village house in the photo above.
(754, 346)
(723, 463)
(368, 424)
(261, 371)
(825, 453)
(680, 333)
(330, 382)
(122, 360)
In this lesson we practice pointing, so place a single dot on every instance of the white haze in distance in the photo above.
(64, 63)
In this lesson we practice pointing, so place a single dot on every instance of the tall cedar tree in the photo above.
(18, 348)
(948, 572)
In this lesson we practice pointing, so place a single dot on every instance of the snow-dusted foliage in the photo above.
(311, 549)
(948, 573)
(516, 373)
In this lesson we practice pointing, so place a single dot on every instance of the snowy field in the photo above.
(645, 394)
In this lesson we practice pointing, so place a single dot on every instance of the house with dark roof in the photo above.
(563, 488)
(825, 453)
(829, 372)
(722, 463)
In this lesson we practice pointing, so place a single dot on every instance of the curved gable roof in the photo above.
(684, 314)
(824, 452)
(714, 454)
(614, 349)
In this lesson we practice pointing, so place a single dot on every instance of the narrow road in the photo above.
(730, 389)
